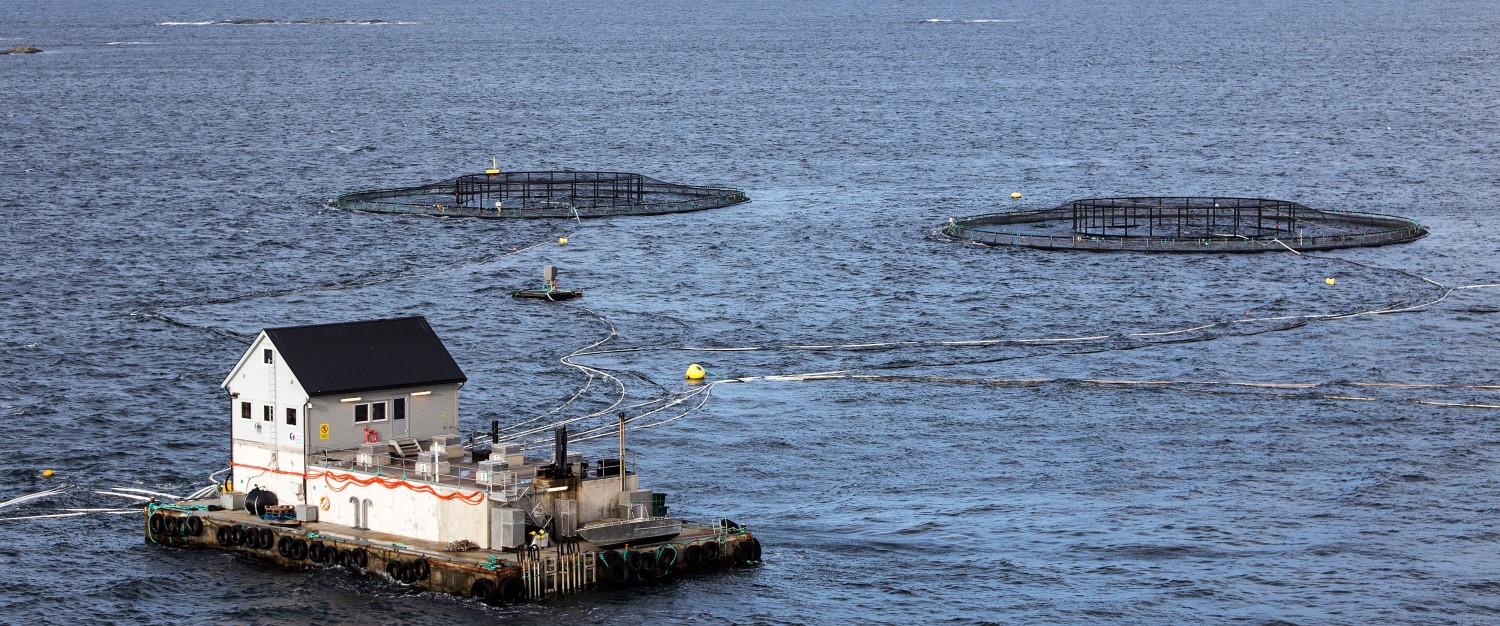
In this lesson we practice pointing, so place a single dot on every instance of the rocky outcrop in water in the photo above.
(21, 50)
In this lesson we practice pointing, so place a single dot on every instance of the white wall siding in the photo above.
(399, 510)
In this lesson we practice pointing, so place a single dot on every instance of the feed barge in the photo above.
(345, 453)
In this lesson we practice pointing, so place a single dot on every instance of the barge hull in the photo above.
(496, 577)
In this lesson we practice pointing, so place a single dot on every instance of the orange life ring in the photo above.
(323, 503)
(371, 436)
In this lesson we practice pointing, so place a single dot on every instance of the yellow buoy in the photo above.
(695, 372)
(47, 473)
(562, 241)
(1329, 280)
(1015, 195)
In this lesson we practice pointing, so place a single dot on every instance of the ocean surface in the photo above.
(1295, 459)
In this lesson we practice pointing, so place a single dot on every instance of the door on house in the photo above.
(398, 417)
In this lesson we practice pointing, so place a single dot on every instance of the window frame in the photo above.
(291, 416)
(245, 409)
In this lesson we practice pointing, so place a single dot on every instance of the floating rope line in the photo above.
(1178, 385)
(155, 312)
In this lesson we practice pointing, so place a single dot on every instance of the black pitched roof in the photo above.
(362, 356)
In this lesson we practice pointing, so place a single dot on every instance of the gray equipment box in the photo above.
(371, 454)
(307, 512)
(635, 496)
(232, 501)
(432, 464)
(494, 474)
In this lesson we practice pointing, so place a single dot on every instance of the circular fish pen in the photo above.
(568, 194)
(1184, 224)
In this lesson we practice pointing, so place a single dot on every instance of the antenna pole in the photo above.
(622, 451)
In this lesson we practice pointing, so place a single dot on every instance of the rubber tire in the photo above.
(637, 560)
(511, 590)
(393, 567)
(222, 535)
(423, 568)
(741, 552)
(194, 526)
(666, 559)
(283, 547)
(618, 571)
(358, 558)
(157, 524)
(298, 549)
(755, 550)
(711, 552)
(236, 536)
(341, 558)
(483, 589)
(693, 555)
(267, 539)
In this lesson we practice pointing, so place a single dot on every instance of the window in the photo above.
(369, 412)
(270, 356)
(398, 409)
(244, 410)
(267, 413)
(291, 416)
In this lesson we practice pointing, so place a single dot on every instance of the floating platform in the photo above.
(492, 576)
(345, 453)
(547, 294)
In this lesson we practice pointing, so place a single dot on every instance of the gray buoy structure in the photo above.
(1184, 224)
(542, 194)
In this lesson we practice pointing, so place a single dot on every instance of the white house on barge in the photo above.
(345, 450)
(302, 395)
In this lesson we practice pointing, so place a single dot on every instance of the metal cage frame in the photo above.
(1185, 224)
(542, 194)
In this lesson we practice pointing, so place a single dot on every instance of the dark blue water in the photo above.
(158, 165)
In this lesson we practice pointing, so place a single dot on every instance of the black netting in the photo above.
(543, 194)
(1185, 224)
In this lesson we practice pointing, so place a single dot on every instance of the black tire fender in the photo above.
(511, 590)
(483, 589)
